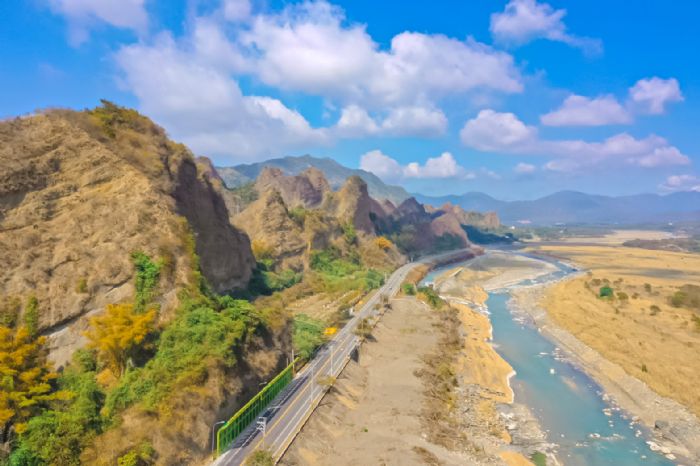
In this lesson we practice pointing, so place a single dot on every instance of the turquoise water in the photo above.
(568, 404)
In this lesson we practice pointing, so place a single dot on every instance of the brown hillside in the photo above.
(81, 191)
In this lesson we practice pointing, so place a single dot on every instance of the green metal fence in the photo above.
(249, 412)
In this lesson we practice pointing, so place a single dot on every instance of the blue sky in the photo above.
(515, 98)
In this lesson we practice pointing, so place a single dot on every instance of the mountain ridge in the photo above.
(574, 207)
(335, 173)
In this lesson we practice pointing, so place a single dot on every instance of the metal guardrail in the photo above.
(249, 412)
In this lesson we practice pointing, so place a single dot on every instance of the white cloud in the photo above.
(583, 111)
(681, 183)
(526, 20)
(652, 94)
(82, 14)
(491, 130)
(204, 107)
(355, 122)
(387, 168)
(524, 168)
(236, 10)
(415, 121)
(307, 47)
(503, 132)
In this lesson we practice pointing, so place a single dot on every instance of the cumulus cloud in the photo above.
(205, 108)
(491, 130)
(503, 132)
(389, 169)
(308, 47)
(355, 121)
(83, 14)
(525, 20)
(651, 95)
(583, 111)
(524, 168)
(676, 183)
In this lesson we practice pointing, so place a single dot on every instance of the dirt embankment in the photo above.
(392, 407)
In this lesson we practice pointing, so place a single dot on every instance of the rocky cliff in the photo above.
(81, 191)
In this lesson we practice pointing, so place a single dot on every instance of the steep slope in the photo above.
(335, 173)
(80, 192)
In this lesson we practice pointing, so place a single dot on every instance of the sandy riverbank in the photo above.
(640, 349)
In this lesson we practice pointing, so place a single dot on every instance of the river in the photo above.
(570, 407)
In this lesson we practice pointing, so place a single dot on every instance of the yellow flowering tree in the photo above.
(119, 333)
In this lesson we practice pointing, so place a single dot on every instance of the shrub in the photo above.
(431, 297)
(31, 316)
(606, 292)
(678, 299)
(147, 276)
(654, 309)
(81, 287)
(349, 233)
(204, 332)
(10, 308)
(647, 287)
(644, 368)
(622, 296)
(118, 334)
(409, 289)
(307, 336)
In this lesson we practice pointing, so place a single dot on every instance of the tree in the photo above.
(119, 333)
(25, 379)
(606, 292)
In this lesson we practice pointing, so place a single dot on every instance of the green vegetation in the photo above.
(409, 289)
(448, 242)
(298, 215)
(10, 308)
(264, 281)
(606, 292)
(109, 116)
(246, 193)
(430, 296)
(338, 272)
(81, 286)
(687, 296)
(147, 276)
(308, 335)
(59, 434)
(349, 233)
(539, 458)
(205, 332)
(31, 316)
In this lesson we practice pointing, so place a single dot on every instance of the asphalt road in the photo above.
(285, 416)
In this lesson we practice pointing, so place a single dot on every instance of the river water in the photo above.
(570, 407)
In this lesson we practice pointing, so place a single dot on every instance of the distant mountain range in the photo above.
(571, 207)
(335, 173)
(564, 207)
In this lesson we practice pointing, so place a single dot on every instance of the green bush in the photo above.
(31, 315)
(147, 276)
(539, 458)
(203, 333)
(606, 292)
(431, 296)
(308, 335)
(59, 434)
(329, 261)
(349, 233)
(409, 289)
